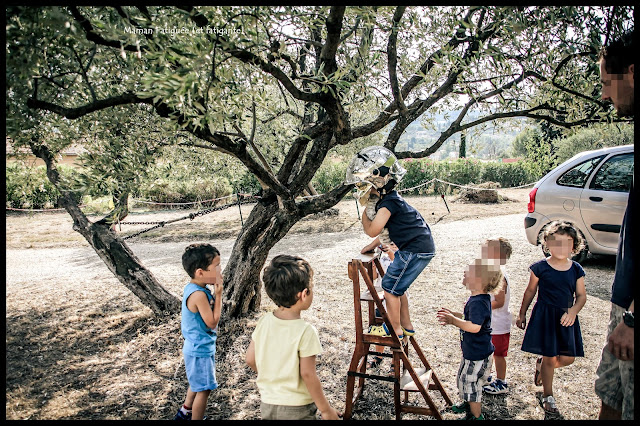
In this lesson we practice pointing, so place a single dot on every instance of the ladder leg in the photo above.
(434, 377)
(396, 385)
(351, 381)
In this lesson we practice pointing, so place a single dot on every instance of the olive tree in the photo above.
(279, 88)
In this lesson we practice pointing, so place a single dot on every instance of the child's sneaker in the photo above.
(182, 416)
(462, 407)
(381, 330)
(496, 387)
(470, 416)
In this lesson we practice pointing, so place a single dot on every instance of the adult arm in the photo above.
(371, 246)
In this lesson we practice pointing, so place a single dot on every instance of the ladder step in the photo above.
(407, 383)
(379, 340)
(368, 297)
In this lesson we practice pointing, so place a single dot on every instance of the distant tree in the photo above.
(279, 88)
(594, 137)
(463, 145)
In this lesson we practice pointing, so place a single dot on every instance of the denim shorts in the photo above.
(201, 372)
(404, 269)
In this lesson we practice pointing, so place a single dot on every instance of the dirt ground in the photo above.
(81, 346)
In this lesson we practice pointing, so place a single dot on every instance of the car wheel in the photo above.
(579, 257)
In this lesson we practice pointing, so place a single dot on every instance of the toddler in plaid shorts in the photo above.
(481, 278)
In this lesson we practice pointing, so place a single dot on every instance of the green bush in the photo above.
(245, 183)
(29, 187)
(464, 172)
(185, 191)
(510, 174)
(329, 176)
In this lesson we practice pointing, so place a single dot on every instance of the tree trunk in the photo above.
(266, 225)
(127, 267)
(463, 145)
(112, 250)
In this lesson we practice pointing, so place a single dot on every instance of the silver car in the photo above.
(591, 190)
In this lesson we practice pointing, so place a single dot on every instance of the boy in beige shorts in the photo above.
(283, 347)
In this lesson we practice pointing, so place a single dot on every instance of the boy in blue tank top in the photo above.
(200, 317)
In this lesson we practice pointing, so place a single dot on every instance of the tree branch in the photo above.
(277, 73)
(392, 60)
(73, 113)
(98, 39)
(334, 27)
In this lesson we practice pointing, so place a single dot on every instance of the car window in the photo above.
(578, 175)
(615, 174)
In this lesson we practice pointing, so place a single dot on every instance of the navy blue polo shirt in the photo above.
(407, 229)
(477, 346)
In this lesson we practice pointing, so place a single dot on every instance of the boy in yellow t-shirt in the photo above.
(283, 347)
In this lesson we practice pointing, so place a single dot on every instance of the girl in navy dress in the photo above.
(554, 330)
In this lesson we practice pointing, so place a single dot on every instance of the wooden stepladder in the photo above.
(412, 380)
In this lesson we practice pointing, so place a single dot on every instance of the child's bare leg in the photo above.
(199, 404)
(563, 361)
(405, 319)
(393, 310)
(191, 395)
(501, 367)
(475, 408)
(549, 364)
(546, 371)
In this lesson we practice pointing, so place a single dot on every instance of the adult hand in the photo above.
(620, 342)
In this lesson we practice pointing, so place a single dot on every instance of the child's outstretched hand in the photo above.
(445, 316)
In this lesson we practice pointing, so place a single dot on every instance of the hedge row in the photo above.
(30, 188)
(460, 171)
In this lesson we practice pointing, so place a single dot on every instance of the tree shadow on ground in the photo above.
(60, 360)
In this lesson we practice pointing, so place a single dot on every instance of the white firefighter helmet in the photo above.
(374, 166)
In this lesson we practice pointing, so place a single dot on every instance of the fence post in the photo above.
(357, 208)
(240, 209)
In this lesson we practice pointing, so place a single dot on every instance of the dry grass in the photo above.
(81, 346)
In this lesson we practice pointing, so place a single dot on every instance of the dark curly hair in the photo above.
(619, 54)
(198, 256)
(563, 227)
(285, 277)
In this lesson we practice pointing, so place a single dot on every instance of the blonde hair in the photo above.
(505, 246)
(491, 275)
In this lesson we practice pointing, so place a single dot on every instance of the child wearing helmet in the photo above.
(376, 171)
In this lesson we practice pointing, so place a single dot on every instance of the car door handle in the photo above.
(596, 199)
